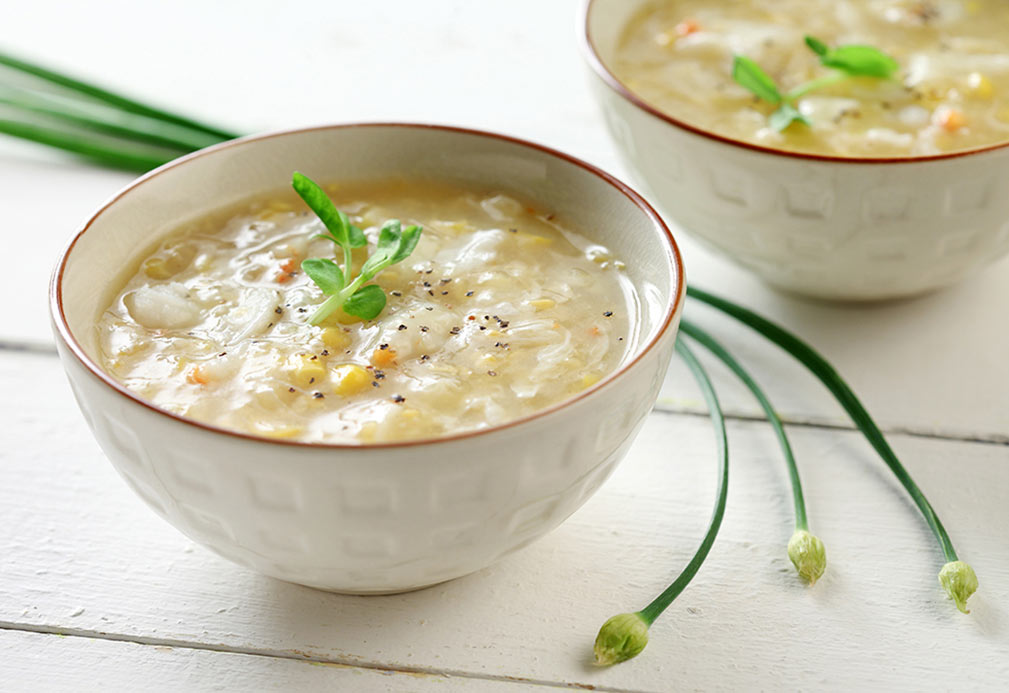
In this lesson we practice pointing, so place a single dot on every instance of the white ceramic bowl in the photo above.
(377, 518)
(829, 227)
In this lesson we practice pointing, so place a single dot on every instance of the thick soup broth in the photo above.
(499, 312)
(951, 91)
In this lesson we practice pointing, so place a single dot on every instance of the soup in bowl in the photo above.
(881, 179)
(521, 345)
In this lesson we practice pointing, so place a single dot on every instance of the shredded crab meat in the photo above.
(500, 311)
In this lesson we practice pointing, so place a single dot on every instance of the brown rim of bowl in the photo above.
(614, 83)
(63, 329)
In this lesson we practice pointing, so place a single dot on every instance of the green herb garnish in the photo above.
(625, 635)
(394, 245)
(848, 61)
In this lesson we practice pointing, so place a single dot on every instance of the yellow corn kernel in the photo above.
(349, 379)
(368, 431)
(335, 338)
(457, 227)
(280, 431)
(527, 240)
(307, 372)
(590, 379)
(979, 86)
(543, 304)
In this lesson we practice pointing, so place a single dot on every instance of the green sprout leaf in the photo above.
(784, 116)
(817, 46)
(854, 60)
(315, 197)
(848, 61)
(407, 242)
(356, 237)
(326, 274)
(367, 302)
(394, 245)
(750, 76)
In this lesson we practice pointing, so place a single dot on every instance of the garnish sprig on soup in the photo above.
(355, 298)
(950, 93)
(848, 62)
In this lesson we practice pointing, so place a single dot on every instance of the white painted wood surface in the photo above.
(55, 663)
(80, 555)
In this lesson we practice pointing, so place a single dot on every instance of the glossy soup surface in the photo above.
(950, 93)
(499, 312)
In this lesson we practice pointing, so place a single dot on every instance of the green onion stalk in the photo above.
(805, 550)
(118, 101)
(625, 635)
(97, 124)
(956, 577)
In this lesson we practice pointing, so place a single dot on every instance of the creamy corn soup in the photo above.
(500, 311)
(951, 91)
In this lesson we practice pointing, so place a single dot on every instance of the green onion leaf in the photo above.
(326, 274)
(367, 302)
(846, 397)
(784, 116)
(750, 76)
(624, 636)
(855, 60)
(316, 198)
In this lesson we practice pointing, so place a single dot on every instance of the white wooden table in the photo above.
(97, 593)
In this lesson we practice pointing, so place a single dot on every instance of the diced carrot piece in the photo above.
(196, 376)
(287, 268)
(951, 119)
(595, 331)
(687, 27)
(383, 358)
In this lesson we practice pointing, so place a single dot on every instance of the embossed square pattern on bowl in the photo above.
(378, 518)
(828, 227)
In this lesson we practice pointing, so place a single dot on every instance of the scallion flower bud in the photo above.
(620, 638)
(808, 555)
(959, 581)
